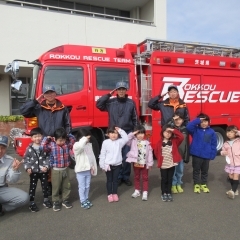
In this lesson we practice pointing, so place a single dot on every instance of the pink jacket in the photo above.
(233, 152)
(132, 155)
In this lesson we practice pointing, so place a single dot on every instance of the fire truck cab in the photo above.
(207, 76)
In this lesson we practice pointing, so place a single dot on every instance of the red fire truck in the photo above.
(207, 76)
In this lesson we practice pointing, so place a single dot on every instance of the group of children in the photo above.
(50, 155)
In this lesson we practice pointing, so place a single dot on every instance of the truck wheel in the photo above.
(221, 136)
(96, 148)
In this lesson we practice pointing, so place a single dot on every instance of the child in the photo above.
(166, 152)
(178, 122)
(203, 149)
(110, 159)
(85, 165)
(141, 156)
(60, 147)
(36, 163)
(231, 149)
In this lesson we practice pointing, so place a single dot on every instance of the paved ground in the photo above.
(190, 216)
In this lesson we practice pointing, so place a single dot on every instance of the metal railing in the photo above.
(80, 12)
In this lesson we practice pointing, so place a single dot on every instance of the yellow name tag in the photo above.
(99, 50)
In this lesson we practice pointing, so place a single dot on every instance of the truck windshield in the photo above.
(65, 79)
(108, 77)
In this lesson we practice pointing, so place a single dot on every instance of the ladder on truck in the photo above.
(146, 47)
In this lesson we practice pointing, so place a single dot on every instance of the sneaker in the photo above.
(67, 204)
(179, 189)
(47, 204)
(127, 182)
(174, 189)
(115, 197)
(204, 188)
(136, 194)
(197, 188)
(169, 197)
(236, 193)
(33, 207)
(89, 203)
(110, 198)
(164, 197)
(85, 205)
(145, 196)
(56, 207)
(231, 194)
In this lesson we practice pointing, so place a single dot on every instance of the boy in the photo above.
(203, 149)
(60, 147)
(178, 123)
(36, 163)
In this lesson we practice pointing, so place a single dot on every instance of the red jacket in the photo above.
(176, 141)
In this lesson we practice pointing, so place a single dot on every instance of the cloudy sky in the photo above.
(207, 21)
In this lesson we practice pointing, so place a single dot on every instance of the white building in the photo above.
(32, 27)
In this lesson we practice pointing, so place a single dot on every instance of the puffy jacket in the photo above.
(176, 141)
(204, 140)
(121, 111)
(49, 119)
(132, 155)
(233, 152)
(34, 161)
(167, 110)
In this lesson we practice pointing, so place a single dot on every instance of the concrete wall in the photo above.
(5, 95)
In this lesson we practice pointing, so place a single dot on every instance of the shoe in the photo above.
(197, 188)
(33, 207)
(145, 196)
(56, 207)
(67, 204)
(174, 189)
(85, 205)
(115, 197)
(204, 188)
(169, 197)
(136, 194)
(47, 204)
(164, 197)
(89, 203)
(179, 189)
(110, 198)
(236, 193)
(231, 194)
(127, 182)
(119, 182)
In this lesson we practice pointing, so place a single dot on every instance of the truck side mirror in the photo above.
(13, 68)
(16, 85)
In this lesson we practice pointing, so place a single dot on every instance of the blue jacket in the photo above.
(204, 140)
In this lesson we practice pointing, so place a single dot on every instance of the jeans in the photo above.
(125, 170)
(200, 165)
(166, 179)
(112, 179)
(178, 173)
(84, 179)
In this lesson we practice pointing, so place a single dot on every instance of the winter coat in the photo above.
(34, 161)
(49, 119)
(121, 111)
(233, 152)
(167, 110)
(111, 152)
(132, 155)
(84, 156)
(176, 141)
(204, 140)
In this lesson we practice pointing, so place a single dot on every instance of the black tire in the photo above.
(96, 148)
(221, 137)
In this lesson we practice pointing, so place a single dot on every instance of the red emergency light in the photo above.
(233, 64)
(166, 59)
(120, 53)
(59, 49)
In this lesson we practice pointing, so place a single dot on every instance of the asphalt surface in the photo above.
(190, 216)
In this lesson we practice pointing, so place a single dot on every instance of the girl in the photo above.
(85, 165)
(231, 149)
(141, 156)
(110, 159)
(166, 152)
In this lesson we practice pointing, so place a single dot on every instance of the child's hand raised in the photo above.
(117, 128)
(134, 133)
(170, 129)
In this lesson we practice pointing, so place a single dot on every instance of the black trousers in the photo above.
(112, 179)
(200, 166)
(166, 179)
(33, 184)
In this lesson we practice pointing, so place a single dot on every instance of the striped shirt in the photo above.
(167, 157)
